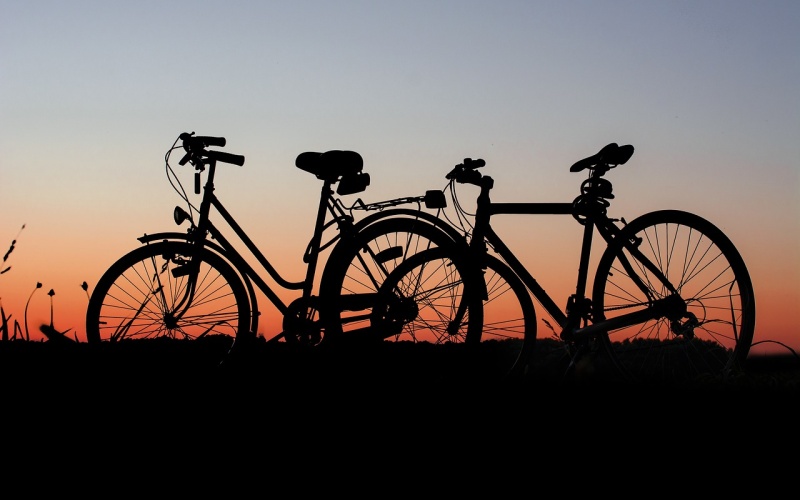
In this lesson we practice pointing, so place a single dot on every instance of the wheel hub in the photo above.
(170, 321)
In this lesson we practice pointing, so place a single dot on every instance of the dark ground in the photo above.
(152, 412)
(170, 368)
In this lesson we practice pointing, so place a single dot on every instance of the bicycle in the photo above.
(672, 300)
(196, 284)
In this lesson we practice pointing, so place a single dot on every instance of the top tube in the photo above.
(530, 208)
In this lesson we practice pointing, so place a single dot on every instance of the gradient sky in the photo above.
(93, 93)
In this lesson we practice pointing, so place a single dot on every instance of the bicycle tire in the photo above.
(419, 300)
(714, 337)
(360, 264)
(424, 293)
(121, 306)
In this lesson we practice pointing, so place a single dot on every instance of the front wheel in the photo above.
(139, 297)
(426, 299)
(357, 269)
(433, 292)
(713, 336)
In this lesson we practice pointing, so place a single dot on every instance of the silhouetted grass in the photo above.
(49, 331)
(396, 365)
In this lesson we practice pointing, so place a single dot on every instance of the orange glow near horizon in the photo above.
(65, 310)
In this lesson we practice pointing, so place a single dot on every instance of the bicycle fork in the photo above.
(184, 268)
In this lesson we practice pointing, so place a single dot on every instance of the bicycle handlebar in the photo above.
(466, 172)
(195, 146)
(191, 141)
(225, 157)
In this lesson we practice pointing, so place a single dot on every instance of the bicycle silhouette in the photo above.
(196, 284)
(671, 300)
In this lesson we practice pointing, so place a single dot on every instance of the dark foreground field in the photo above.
(139, 409)
(165, 367)
(167, 417)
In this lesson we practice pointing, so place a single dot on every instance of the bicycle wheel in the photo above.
(425, 293)
(714, 335)
(359, 265)
(421, 298)
(136, 298)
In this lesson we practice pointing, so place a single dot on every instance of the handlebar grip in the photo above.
(197, 142)
(225, 157)
(210, 141)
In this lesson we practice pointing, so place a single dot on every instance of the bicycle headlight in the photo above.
(179, 215)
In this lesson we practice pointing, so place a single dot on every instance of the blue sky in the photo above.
(93, 93)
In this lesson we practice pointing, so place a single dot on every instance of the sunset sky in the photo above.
(93, 93)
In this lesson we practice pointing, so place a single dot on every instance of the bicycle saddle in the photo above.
(612, 154)
(331, 165)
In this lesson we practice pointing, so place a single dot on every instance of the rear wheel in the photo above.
(713, 337)
(138, 296)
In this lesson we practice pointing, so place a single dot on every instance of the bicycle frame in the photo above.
(198, 235)
(330, 212)
(578, 308)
